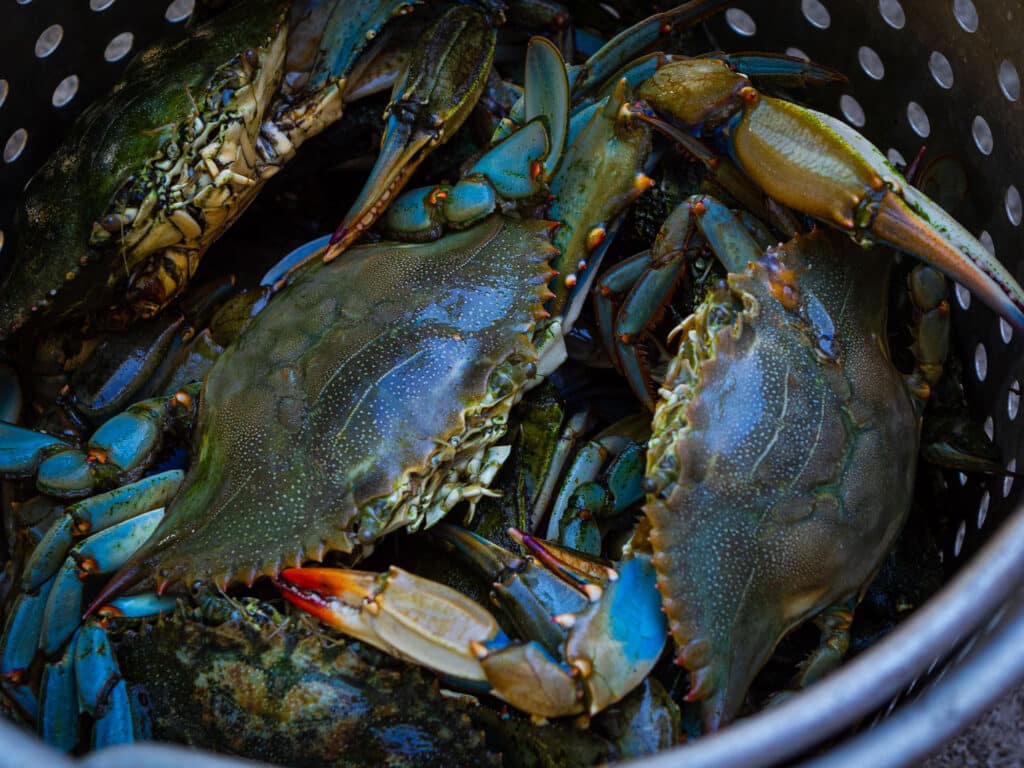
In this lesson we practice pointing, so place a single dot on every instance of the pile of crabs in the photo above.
(596, 487)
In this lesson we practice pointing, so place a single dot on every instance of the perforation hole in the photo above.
(119, 47)
(966, 15)
(1013, 400)
(896, 157)
(1009, 80)
(871, 62)
(100, 5)
(1014, 207)
(65, 91)
(987, 242)
(918, 119)
(741, 22)
(963, 296)
(892, 13)
(816, 13)
(1, 241)
(1005, 331)
(852, 110)
(1011, 468)
(15, 145)
(179, 10)
(989, 427)
(941, 69)
(982, 135)
(980, 361)
(958, 544)
(983, 509)
(4, 88)
(48, 40)
(796, 53)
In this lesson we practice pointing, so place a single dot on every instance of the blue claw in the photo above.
(22, 700)
(116, 725)
(138, 606)
(300, 255)
(21, 633)
(21, 450)
(103, 553)
(96, 514)
(96, 670)
(58, 717)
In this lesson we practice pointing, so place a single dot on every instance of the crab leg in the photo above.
(47, 615)
(433, 97)
(608, 626)
(818, 165)
(58, 713)
(118, 452)
(604, 479)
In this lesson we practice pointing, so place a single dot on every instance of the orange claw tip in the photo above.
(595, 237)
(570, 280)
(108, 612)
(643, 182)
(96, 456)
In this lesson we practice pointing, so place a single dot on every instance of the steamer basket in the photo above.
(941, 73)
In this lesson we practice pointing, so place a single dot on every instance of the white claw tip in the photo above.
(593, 592)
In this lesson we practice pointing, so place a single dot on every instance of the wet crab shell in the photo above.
(783, 456)
(141, 165)
(364, 398)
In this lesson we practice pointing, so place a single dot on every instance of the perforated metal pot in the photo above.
(945, 73)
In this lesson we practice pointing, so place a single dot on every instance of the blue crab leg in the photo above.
(118, 452)
(102, 693)
(546, 92)
(819, 166)
(601, 175)
(58, 716)
(773, 69)
(20, 701)
(22, 450)
(439, 88)
(93, 515)
(604, 479)
(347, 32)
(21, 633)
(103, 553)
(611, 633)
(516, 168)
(630, 42)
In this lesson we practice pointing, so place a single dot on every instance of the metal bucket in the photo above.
(941, 73)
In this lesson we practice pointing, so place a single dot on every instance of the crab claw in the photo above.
(404, 615)
(590, 644)
(845, 181)
(818, 165)
(433, 97)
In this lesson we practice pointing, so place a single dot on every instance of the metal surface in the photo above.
(958, 63)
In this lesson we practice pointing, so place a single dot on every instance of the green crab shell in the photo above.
(365, 397)
(784, 451)
(134, 157)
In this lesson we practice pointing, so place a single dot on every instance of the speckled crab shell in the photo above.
(131, 180)
(783, 457)
(367, 396)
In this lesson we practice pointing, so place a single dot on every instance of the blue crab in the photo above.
(200, 126)
(332, 419)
